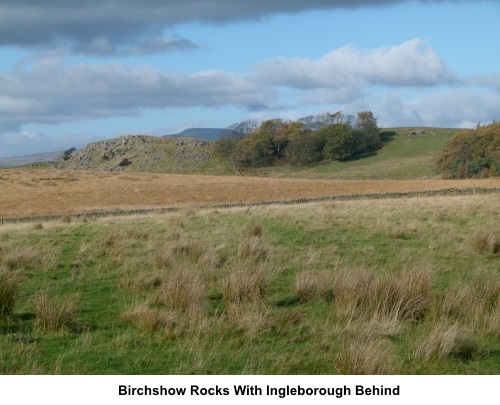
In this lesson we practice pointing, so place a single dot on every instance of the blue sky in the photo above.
(74, 72)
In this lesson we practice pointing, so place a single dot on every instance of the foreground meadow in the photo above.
(396, 286)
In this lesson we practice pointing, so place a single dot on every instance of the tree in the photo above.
(338, 141)
(225, 145)
(67, 153)
(255, 149)
(472, 153)
(366, 133)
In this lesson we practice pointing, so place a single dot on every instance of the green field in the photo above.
(406, 286)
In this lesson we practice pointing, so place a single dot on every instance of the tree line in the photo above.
(472, 153)
(330, 136)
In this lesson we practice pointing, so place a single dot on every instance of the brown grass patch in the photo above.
(98, 191)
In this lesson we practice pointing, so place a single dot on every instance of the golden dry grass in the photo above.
(39, 192)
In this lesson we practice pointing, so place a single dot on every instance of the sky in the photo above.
(74, 72)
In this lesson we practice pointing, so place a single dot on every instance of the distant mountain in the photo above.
(29, 159)
(206, 134)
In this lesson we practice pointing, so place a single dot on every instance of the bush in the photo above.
(125, 162)
(67, 153)
(472, 153)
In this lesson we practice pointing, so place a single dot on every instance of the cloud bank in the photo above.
(99, 26)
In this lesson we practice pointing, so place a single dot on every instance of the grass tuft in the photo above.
(485, 242)
(361, 356)
(9, 292)
(54, 314)
(247, 284)
(182, 290)
(445, 339)
(251, 247)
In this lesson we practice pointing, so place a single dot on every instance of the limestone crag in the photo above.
(143, 153)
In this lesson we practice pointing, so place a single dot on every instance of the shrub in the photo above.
(67, 153)
(472, 153)
(125, 162)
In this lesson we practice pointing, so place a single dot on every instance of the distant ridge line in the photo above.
(206, 134)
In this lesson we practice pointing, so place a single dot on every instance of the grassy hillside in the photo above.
(403, 156)
(362, 287)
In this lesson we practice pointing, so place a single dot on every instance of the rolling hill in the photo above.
(407, 153)
(29, 159)
(206, 134)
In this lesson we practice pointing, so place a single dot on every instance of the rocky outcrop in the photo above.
(142, 153)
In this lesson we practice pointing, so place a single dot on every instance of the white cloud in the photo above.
(454, 108)
(46, 90)
(485, 80)
(407, 64)
(52, 92)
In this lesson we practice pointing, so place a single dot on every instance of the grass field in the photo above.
(36, 192)
(395, 286)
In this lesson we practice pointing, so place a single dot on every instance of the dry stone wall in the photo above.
(407, 194)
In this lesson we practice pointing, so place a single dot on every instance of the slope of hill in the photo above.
(29, 159)
(407, 153)
(149, 154)
(206, 134)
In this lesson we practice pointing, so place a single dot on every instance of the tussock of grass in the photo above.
(148, 319)
(54, 314)
(252, 247)
(444, 339)
(182, 290)
(245, 284)
(253, 317)
(359, 293)
(9, 291)
(485, 242)
(311, 284)
(362, 356)
(23, 257)
(163, 258)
